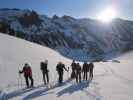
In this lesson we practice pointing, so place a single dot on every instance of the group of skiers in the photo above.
(77, 70)
(60, 67)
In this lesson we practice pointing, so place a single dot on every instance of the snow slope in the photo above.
(112, 80)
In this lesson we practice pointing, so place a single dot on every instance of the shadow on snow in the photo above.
(19, 92)
(41, 92)
(73, 88)
(44, 91)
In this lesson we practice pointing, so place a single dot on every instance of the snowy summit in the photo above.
(80, 39)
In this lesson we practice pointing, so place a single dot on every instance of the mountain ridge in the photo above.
(70, 36)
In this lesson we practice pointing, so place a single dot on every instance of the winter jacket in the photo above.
(85, 67)
(44, 67)
(60, 67)
(78, 68)
(27, 71)
(73, 65)
(91, 66)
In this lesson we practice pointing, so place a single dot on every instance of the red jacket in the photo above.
(27, 71)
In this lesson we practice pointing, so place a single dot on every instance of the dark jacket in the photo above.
(73, 65)
(44, 67)
(60, 67)
(85, 67)
(27, 71)
(91, 67)
(78, 68)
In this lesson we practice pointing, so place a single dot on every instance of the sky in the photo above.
(74, 8)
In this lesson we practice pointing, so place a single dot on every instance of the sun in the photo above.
(107, 15)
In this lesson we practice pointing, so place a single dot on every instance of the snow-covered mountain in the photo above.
(75, 38)
(112, 80)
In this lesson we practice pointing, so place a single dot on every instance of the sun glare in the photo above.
(107, 15)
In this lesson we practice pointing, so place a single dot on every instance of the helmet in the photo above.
(26, 64)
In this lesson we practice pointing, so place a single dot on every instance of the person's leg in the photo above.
(72, 75)
(77, 77)
(60, 77)
(26, 80)
(47, 77)
(80, 77)
(44, 80)
(84, 75)
(90, 75)
(32, 81)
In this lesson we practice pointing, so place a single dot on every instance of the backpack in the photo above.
(44, 67)
(59, 67)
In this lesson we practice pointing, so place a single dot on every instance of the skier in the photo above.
(27, 75)
(73, 66)
(91, 67)
(85, 70)
(60, 69)
(78, 73)
(44, 69)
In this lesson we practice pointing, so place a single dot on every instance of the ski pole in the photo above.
(68, 73)
(20, 80)
(18, 77)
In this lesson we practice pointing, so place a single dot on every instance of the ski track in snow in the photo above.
(42, 91)
(111, 71)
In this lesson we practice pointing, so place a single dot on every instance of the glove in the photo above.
(47, 70)
(19, 72)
